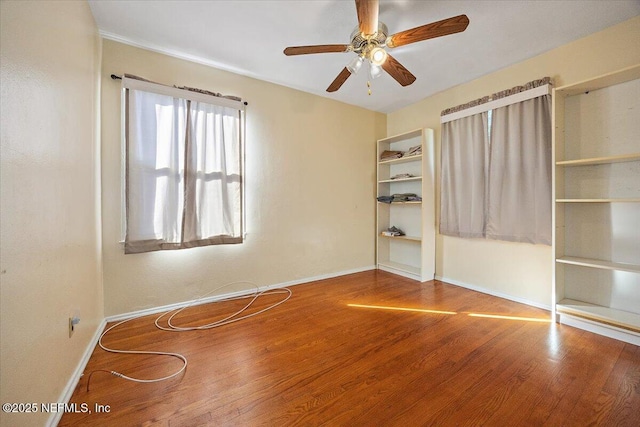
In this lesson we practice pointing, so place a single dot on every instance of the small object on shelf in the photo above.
(391, 154)
(399, 198)
(402, 176)
(402, 197)
(413, 151)
(393, 231)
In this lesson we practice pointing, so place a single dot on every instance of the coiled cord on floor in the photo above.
(234, 317)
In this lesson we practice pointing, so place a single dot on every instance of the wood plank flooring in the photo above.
(316, 361)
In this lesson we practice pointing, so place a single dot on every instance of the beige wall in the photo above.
(50, 245)
(309, 187)
(519, 271)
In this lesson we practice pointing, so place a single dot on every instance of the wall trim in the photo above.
(173, 53)
(399, 272)
(600, 329)
(198, 60)
(213, 298)
(494, 293)
(69, 388)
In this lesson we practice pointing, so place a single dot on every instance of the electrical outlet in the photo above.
(73, 321)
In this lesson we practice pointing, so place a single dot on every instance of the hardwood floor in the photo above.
(315, 360)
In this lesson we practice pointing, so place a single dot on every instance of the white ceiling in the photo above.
(248, 37)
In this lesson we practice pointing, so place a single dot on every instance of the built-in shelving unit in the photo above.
(627, 200)
(415, 178)
(597, 209)
(600, 160)
(598, 263)
(411, 255)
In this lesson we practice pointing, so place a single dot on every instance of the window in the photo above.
(183, 168)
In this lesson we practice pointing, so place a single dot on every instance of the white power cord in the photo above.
(232, 317)
(126, 377)
(171, 327)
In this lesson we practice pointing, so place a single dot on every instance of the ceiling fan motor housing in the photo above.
(360, 43)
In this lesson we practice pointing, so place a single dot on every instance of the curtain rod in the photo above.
(116, 77)
(514, 95)
(498, 103)
(498, 95)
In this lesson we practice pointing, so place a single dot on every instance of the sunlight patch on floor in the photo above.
(499, 316)
(420, 310)
(424, 310)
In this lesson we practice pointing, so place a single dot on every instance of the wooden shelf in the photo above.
(416, 133)
(401, 160)
(413, 178)
(598, 263)
(409, 238)
(607, 315)
(626, 200)
(613, 78)
(600, 160)
(402, 203)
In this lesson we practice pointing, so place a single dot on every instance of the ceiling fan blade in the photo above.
(397, 71)
(322, 48)
(367, 16)
(342, 77)
(445, 27)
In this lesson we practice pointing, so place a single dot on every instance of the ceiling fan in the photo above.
(369, 40)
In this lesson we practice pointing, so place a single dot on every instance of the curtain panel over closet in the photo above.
(496, 167)
(183, 179)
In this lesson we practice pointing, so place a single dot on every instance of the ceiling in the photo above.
(248, 37)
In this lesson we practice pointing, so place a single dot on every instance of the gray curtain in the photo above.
(519, 185)
(464, 155)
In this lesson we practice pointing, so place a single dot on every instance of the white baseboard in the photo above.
(399, 272)
(71, 385)
(213, 298)
(494, 293)
(600, 329)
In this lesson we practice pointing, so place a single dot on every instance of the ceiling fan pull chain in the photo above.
(369, 87)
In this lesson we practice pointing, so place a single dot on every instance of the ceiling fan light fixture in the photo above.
(375, 71)
(377, 56)
(355, 64)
